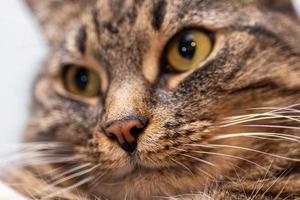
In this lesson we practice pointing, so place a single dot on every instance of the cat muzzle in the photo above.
(126, 133)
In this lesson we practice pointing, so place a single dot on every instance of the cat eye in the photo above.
(81, 81)
(188, 49)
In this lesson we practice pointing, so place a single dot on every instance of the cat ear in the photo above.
(56, 16)
(283, 6)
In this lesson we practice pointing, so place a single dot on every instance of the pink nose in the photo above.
(126, 133)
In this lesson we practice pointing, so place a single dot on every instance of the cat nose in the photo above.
(126, 132)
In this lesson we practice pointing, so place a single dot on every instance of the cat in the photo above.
(164, 99)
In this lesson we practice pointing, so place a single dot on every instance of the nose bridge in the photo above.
(126, 113)
(125, 116)
(127, 98)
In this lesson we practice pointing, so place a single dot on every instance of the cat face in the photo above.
(142, 89)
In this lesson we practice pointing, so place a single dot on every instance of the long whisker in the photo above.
(230, 156)
(265, 138)
(54, 171)
(257, 117)
(292, 138)
(74, 186)
(290, 111)
(276, 109)
(38, 160)
(252, 150)
(48, 161)
(268, 114)
(73, 176)
(274, 113)
(36, 145)
(97, 179)
(200, 160)
(221, 154)
(275, 181)
(68, 178)
(38, 154)
(256, 190)
(31, 148)
(273, 126)
(197, 159)
(182, 165)
(71, 171)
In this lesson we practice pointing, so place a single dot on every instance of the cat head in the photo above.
(142, 89)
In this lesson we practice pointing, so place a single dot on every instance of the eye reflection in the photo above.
(188, 49)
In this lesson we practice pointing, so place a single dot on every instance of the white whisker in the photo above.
(201, 170)
(257, 117)
(255, 151)
(68, 178)
(72, 176)
(265, 138)
(97, 179)
(182, 165)
(292, 138)
(47, 161)
(276, 109)
(60, 192)
(273, 126)
(200, 160)
(231, 156)
(273, 113)
(71, 171)
(39, 161)
(54, 171)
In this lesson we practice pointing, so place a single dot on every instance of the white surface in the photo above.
(297, 4)
(21, 51)
(8, 194)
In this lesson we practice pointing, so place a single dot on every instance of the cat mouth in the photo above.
(144, 170)
(141, 161)
(141, 166)
(145, 167)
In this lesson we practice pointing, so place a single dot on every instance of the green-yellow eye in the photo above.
(82, 81)
(187, 50)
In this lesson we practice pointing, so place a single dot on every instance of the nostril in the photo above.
(135, 132)
(125, 132)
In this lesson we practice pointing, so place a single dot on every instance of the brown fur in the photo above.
(255, 63)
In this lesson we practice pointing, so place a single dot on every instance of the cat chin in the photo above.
(147, 184)
(136, 169)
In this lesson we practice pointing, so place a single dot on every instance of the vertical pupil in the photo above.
(187, 47)
(81, 79)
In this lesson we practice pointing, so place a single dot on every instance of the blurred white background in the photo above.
(297, 4)
(21, 51)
